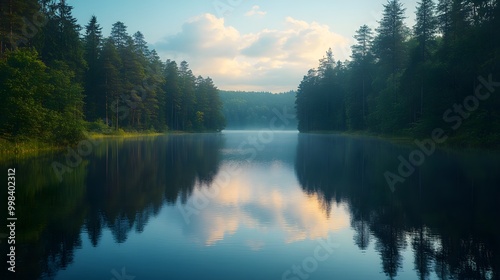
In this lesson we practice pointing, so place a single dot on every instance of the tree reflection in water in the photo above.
(446, 211)
(103, 193)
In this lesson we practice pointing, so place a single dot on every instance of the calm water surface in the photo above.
(250, 205)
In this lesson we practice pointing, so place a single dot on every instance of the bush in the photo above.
(99, 126)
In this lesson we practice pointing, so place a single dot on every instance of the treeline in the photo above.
(441, 73)
(255, 110)
(59, 79)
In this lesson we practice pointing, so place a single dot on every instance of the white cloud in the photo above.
(255, 11)
(268, 60)
(206, 34)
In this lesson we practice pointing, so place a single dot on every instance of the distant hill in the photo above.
(255, 110)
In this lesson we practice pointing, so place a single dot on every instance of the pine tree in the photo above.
(391, 35)
(111, 83)
(20, 21)
(119, 34)
(360, 78)
(187, 87)
(425, 28)
(173, 96)
(154, 101)
(364, 42)
(94, 99)
(62, 40)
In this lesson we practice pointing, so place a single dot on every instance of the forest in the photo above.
(441, 73)
(60, 79)
(255, 110)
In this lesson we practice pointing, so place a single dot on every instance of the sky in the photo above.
(248, 45)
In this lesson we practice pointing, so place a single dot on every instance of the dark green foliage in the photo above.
(94, 99)
(62, 41)
(320, 100)
(39, 101)
(360, 78)
(20, 21)
(191, 104)
(52, 79)
(406, 84)
(208, 106)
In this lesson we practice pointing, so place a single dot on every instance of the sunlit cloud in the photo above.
(268, 60)
(250, 202)
(255, 11)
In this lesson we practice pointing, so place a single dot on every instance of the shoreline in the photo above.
(451, 144)
(29, 148)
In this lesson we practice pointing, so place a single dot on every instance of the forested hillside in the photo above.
(255, 110)
(58, 79)
(442, 73)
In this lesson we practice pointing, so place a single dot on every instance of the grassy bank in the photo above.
(22, 147)
(124, 134)
(29, 148)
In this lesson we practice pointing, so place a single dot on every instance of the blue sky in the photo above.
(243, 44)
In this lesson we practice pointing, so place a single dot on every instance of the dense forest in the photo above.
(59, 79)
(442, 73)
(255, 110)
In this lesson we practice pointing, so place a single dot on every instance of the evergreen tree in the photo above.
(173, 96)
(187, 87)
(390, 50)
(62, 39)
(111, 84)
(94, 99)
(389, 44)
(425, 28)
(20, 21)
(154, 96)
(360, 78)
(119, 35)
(414, 79)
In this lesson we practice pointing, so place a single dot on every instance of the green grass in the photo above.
(123, 134)
(29, 148)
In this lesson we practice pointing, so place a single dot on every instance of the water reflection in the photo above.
(446, 212)
(123, 185)
(286, 194)
(262, 196)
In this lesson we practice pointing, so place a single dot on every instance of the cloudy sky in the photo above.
(253, 45)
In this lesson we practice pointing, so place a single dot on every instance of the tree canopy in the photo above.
(402, 81)
(61, 79)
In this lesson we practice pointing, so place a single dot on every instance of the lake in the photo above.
(254, 205)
